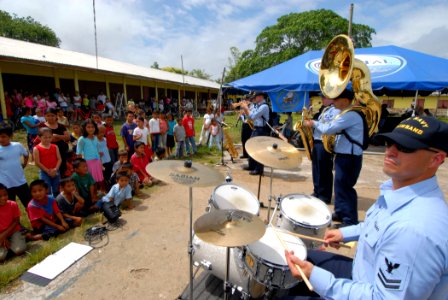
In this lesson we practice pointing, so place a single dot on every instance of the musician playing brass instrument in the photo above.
(260, 115)
(322, 161)
(348, 157)
(246, 129)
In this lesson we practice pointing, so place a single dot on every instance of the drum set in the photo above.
(254, 264)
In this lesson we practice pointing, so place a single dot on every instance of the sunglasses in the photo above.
(404, 149)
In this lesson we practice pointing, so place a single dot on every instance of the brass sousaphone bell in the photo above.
(338, 67)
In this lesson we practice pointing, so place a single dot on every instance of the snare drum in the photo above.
(231, 196)
(265, 259)
(305, 215)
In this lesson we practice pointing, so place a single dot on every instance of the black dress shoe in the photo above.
(336, 218)
(255, 172)
(242, 156)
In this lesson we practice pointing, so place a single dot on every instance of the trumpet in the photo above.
(249, 121)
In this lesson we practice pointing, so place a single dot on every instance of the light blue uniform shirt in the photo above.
(402, 251)
(118, 195)
(260, 113)
(326, 116)
(11, 171)
(351, 122)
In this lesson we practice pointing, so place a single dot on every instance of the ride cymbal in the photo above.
(229, 228)
(273, 152)
(185, 173)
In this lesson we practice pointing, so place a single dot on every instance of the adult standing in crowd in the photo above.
(402, 250)
(348, 157)
(260, 115)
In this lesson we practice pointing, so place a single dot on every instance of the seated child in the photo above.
(119, 192)
(122, 158)
(139, 161)
(133, 178)
(69, 202)
(10, 236)
(43, 212)
(85, 185)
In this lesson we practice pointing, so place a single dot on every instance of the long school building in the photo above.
(33, 67)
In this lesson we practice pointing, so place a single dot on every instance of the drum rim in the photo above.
(314, 226)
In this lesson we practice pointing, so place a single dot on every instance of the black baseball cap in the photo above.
(419, 133)
(260, 93)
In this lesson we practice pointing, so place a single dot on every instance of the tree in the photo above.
(27, 29)
(233, 70)
(295, 34)
(174, 70)
(199, 73)
(155, 65)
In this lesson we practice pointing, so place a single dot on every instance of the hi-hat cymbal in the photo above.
(229, 228)
(273, 152)
(185, 173)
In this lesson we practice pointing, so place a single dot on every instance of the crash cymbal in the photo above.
(273, 152)
(229, 228)
(185, 173)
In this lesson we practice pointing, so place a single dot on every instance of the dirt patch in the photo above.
(147, 258)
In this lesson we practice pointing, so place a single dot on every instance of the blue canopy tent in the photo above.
(391, 67)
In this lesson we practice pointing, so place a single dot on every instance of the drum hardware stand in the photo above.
(270, 195)
(227, 284)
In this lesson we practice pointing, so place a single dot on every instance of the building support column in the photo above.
(57, 84)
(108, 89)
(141, 91)
(76, 82)
(196, 99)
(2, 97)
(125, 93)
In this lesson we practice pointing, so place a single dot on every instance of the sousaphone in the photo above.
(339, 67)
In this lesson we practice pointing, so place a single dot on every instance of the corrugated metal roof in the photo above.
(52, 55)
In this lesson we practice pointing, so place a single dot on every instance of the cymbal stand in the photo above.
(227, 286)
(270, 195)
(277, 205)
(190, 243)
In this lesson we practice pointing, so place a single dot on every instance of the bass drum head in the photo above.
(230, 196)
(305, 210)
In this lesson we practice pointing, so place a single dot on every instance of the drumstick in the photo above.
(305, 279)
(306, 237)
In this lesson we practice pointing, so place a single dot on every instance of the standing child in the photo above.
(10, 236)
(88, 147)
(205, 131)
(39, 116)
(170, 134)
(75, 135)
(96, 117)
(48, 160)
(139, 161)
(163, 130)
(111, 138)
(126, 133)
(141, 134)
(179, 138)
(31, 125)
(104, 153)
(69, 202)
(85, 185)
(154, 130)
(46, 219)
(62, 119)
(122, 159)
(71, 156)
(215, 136)
(11, 168)
(188, 123)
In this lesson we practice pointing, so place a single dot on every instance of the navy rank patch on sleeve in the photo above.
(392, 275)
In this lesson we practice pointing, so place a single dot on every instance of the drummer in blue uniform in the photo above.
(402, 250)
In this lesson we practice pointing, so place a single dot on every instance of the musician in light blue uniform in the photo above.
(348, 157)
(260, 115)
(322, 161)
(402, 250)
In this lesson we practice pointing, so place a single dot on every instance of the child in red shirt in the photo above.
(188, 124)
(111, 139)
(139, 162)
(48, 159)
(10, 236)
(43, 212)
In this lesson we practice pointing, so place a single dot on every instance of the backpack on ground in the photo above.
(366, 137)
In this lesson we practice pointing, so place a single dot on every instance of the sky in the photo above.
(142, 32)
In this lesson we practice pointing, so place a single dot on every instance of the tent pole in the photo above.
(350, 20)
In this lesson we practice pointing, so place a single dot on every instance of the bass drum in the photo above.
(305, 215)
(231, 196)
(213, 260)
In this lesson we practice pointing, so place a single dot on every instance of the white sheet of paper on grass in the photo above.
(58, 262)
